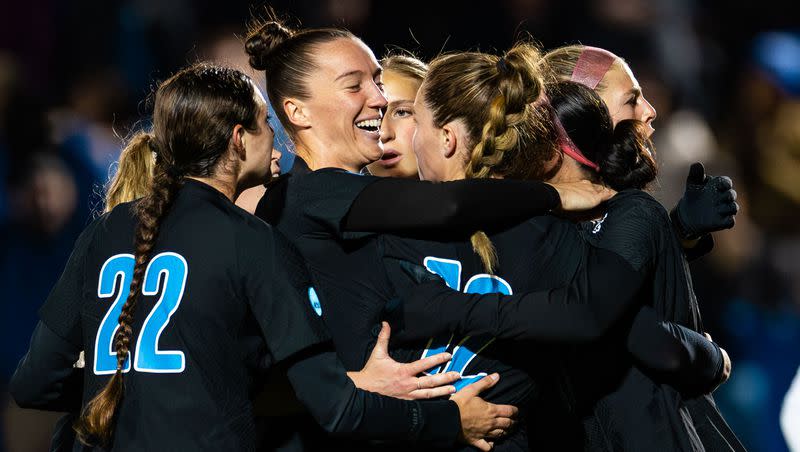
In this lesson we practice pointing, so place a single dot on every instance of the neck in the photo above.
(226, 187)
(317, 161)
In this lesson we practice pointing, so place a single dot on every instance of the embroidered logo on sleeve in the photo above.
(598, 224)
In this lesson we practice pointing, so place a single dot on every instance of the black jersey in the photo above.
(312, 209)
(641, 412)
(613, 262)
(224, 297)
(473, 356)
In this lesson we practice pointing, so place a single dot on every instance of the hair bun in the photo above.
(263, 39)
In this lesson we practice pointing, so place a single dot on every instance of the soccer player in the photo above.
(325, 105)
(621, 404)
(182, 300)
(402, 75)
(709, 203)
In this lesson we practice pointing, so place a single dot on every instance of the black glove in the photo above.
(708, 205)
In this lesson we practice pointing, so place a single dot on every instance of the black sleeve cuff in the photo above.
(700, 249)
(439, 422)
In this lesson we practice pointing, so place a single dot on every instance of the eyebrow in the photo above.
(377, 72)
(636, 91)
(396, 103)
(347, 74)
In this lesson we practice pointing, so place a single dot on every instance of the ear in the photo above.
(238, 138)
(297, 113)
(449, 139)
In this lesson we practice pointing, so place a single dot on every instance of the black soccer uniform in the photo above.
(544, 252)
(224, 298)
(324, 213)
(612, 401)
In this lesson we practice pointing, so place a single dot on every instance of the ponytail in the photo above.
(134, 172)
(621, 156)
(629, 161)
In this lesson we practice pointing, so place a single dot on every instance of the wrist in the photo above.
(680, 224)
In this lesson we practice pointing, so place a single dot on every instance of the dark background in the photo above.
(724, 76)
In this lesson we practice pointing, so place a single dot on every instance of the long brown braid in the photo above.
(195, 113)
(497, 100)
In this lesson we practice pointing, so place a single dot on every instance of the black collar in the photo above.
(299, 167)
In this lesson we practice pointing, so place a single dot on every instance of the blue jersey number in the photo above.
(115, 278)
(468, 347)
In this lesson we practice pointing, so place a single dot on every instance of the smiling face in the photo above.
(623, 96)
(342, 116)
(397, 128)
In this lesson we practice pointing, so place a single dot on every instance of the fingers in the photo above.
(382, 344)
(482, 444)
(606, 193)
(421, 365)
(722, 183)
(507, 411)
(697, 174)
(432, 381)
(496, 434)
(727, 196)
(440, 391)
(481, 385)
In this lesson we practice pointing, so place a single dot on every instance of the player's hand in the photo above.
(582, 195)
(708, 204)
(726, 363)
(481, 420)
(386, 376)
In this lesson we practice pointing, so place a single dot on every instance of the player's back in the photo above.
(195, 345)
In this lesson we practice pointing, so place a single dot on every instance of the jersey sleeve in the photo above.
(61, 312)
(45, 378)
(456, 208)
(632, 228)
(327, 195)
(277, 287)
(600, 293)
(674, 354)
(321, 384)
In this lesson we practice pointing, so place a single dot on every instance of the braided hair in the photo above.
(510, 131)
(195, 111)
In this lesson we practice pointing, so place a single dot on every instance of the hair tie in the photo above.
(592, 65)
(501, 65)
(174, 172)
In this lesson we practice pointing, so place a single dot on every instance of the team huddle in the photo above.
(462, 257)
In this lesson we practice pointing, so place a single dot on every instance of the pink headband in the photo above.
(569, 148)
(592, 65)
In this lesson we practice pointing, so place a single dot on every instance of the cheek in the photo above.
(405, 133)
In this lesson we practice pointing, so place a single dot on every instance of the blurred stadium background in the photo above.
(723, 75)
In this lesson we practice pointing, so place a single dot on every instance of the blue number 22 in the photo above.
(115, 279)
(450, 271)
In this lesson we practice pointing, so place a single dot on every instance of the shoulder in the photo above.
(634, 226)
(637, 202)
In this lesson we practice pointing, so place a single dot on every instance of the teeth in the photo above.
(369, 123)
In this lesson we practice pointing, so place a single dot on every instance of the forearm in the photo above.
(45, 378)
(603, 290)
(339, 407)
(676, 355)
(458, 207)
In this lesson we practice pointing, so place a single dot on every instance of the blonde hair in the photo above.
(559, 64)
(405, 65)
(134, 174)
(510, 132)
